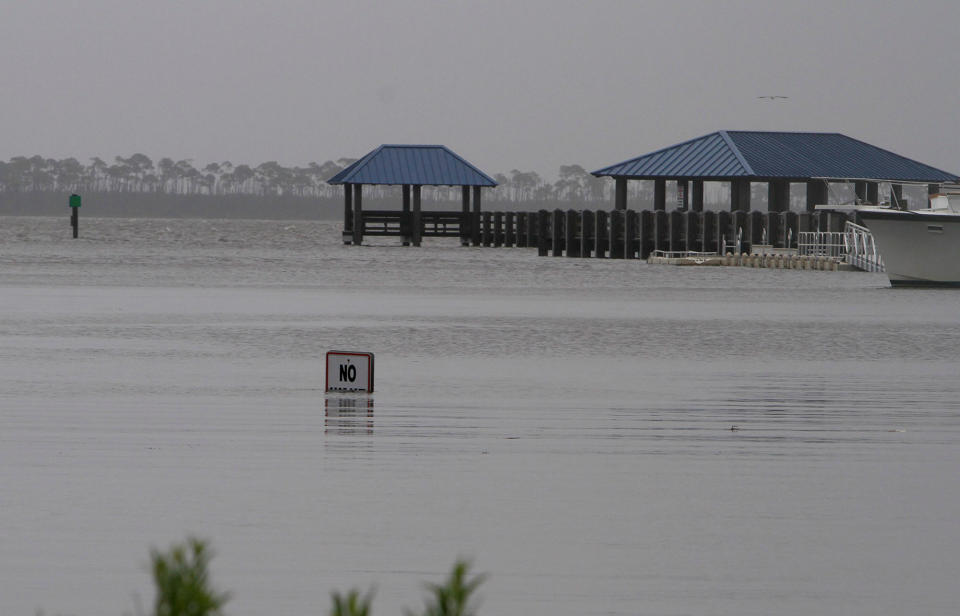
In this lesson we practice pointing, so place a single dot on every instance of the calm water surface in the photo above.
(565, 423)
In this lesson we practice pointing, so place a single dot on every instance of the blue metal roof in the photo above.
(776, 155)
(424, 165)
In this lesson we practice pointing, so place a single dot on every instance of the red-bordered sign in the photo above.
(349, 371)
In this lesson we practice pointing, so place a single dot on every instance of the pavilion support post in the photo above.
(357, 214)
(740, 195)
(475, 223)
(860, 190)
(696, 197)
(417, 230)
(896, 196)
(683, 197)
(347, 214)
(873, 193)
(659, 195)
(778, 196)
(465, 216)
(406, 223)
(817, 192)
(620, 194)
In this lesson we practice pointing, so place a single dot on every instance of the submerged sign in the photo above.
(349, 371)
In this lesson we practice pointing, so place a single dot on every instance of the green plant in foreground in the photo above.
(351, 604)
(182, 581)
(452, 598)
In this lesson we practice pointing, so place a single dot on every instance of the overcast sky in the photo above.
(528, 84)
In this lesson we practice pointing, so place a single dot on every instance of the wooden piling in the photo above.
(571, 227)
(510, 229)
(600, 234)
(587, 225)
(775, 233)
(487, 232)
(725, 233)
(739, 220)
(755, 223)
(661, 230)
(631, 244)
(521, 230)
(616, 234)
(693, 231)
(791, 227)
(417, 220)
(556, 233)
(533, 229)
(708, 230)
(498, 229)
(675, 230)
(647, 234)
(543, 233)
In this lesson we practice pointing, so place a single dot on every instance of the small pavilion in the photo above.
(412, 167)
(778, 158)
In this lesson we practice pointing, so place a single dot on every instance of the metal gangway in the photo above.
(861, 249)
(854, 245)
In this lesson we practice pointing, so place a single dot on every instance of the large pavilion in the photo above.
(777, 158)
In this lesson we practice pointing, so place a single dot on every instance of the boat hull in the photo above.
(918, 249)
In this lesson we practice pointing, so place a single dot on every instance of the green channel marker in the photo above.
(75, 214)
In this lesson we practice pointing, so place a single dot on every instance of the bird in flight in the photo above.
(774, 97)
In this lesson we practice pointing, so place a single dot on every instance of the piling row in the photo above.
(631, 234)
(616, 234)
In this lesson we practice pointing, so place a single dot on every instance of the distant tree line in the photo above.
(22, 176)
(139, 174)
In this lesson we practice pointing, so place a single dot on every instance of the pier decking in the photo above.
(616, 234)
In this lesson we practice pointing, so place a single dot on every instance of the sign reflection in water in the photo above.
(348, 415)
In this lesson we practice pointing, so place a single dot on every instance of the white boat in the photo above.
(919, 247)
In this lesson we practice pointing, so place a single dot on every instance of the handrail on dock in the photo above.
(854, 245)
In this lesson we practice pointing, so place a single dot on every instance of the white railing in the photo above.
(821, 244)
(853, 245)
(862, 249)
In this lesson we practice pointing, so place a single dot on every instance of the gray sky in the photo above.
(528, 84)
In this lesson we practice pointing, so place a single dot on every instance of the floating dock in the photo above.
(769, 261)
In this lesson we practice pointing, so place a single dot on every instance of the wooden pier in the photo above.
(616, 234)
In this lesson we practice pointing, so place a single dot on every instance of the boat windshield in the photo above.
(945, 202)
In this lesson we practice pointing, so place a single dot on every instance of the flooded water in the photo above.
(600, 437)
